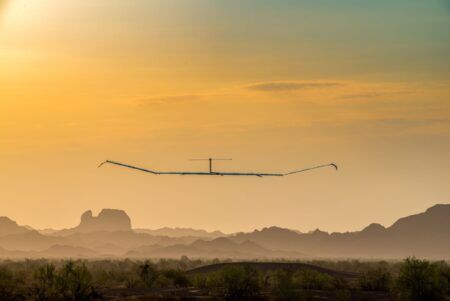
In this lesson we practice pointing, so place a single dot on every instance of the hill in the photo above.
(271, 266)
(217, 248)
(422, 235)
(10, 227)
(181, 232)
(110, 235)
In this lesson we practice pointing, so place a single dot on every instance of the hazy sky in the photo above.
(277, 85)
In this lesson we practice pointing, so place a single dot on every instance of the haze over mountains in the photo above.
(110, 234)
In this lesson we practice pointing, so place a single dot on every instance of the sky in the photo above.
(275, 85)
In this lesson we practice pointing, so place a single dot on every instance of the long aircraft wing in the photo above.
(217, 173)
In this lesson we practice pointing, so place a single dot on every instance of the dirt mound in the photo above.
(271, 266)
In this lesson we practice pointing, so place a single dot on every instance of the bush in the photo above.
(420, 280)
(148, 274)
(75, 283)
(239, 283)
(44, 286)
(283, 286)
(162, 282)
(11, 289)
(376, 280)
(71, 282)
(199, 281)
(178, 278)
(313, 280)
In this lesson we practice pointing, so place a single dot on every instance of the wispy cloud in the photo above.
(372, 94)
(168, 99)
(289, 86)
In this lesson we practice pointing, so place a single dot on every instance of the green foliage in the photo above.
(148, 274)
(132, 281)
(60, 280)
(75, 282)
(214, 280)
(376, 280)
(177, 277)
(162, 282)
(11, 288)
(72, 282)
(115, 273)
(45, 284)
(199, 281)
(283, 286)
(168, 279)
(420, 280)
(239, 283)
(311, 279)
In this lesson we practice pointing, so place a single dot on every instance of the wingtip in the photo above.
(103, 163)
(334, 165)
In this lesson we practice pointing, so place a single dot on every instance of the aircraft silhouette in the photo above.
(216, 173)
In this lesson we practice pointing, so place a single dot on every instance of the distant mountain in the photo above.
(218, 248)
(181, 232)
(7, 254)
(47, 231)
(107, 220)
(434, 222)
(9, 227)
(29, 241)
(64, 251)
(110, 235)
(121, 239)
(424, 235)
(56, 251)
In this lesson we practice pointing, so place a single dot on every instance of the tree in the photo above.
(148, 274)
(376, 280)
(420, 280)
(313, 280)
(45, 284)
(239, 282)
(283, 286)
(11, 289)
(75, 282)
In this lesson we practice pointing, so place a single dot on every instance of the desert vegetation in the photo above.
(411, 279)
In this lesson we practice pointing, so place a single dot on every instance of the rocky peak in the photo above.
(107, 220)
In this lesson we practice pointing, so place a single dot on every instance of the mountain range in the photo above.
(110, 235)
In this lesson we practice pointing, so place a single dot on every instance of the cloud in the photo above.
(188, 98)
(290, 86)
(372, 94)
(168, 99)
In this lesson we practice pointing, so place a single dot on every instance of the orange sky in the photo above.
(276, 85)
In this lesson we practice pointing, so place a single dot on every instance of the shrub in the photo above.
(148, 274)
(75, 282)
(213, 280)
(199, 281)
(178, 278)
(11, 289)
(239, 283)
(162, 282)
(311, 279)
(132, 281)
(421, 280)
(44, 286)
(283, 286)
(376, 280)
